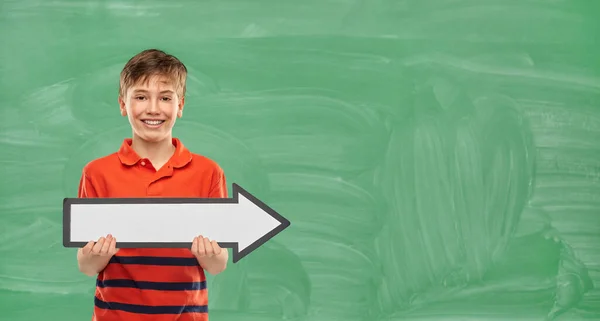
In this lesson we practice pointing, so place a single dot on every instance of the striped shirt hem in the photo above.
(146, 309)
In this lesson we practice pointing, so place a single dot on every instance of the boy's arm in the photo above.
(90, 263)
(217, 263)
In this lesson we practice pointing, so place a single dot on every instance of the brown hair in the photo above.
(153, 62)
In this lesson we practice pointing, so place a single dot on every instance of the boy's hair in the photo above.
(153, 62)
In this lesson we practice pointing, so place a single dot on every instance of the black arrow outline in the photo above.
(237, 190)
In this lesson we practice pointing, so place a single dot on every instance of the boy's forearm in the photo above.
(215, 264)
(93, 266)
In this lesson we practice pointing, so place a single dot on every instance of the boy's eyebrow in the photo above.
(168, 91)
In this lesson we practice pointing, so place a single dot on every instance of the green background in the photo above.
(437, 159)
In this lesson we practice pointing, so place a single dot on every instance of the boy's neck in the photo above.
(158, 153)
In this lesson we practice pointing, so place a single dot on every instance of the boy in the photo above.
(152, 284)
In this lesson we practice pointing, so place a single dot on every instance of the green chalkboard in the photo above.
(437, 159)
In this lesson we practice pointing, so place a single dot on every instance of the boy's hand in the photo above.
(203, 247)
(210, 255)
(94, 256)
(105, 246)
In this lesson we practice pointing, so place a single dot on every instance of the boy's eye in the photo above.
(163, 98)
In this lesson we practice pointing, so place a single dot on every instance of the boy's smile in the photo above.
(153, 123)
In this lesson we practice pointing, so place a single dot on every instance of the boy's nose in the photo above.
(153, 107)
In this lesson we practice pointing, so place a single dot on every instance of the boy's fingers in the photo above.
(87, 248)
(208, 247)
(216, 247)
(195, 245)
(98, 246)
(113, 246)
(201, 249)
(106, 245)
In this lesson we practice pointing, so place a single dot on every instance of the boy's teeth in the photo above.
(153, 122)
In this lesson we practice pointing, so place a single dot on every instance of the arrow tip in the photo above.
(262, 227)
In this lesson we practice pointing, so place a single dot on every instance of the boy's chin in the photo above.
(152, 138)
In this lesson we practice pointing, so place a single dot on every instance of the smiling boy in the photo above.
(152, 284)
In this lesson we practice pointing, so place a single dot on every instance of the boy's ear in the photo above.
(122, 106)
(180, 107)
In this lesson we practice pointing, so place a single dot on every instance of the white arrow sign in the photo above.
(242, 223)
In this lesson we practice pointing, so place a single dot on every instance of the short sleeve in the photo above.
(86, 189)
(218, 188)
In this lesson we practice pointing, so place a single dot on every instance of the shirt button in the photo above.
(143, 163)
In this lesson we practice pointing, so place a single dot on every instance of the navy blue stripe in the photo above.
(145, 285)
(154, 260)
(146, 309)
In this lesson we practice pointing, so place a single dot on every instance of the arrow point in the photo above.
(261, 222)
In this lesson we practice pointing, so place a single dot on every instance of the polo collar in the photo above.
(180, 158)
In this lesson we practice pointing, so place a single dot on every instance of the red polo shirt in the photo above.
(152, 284)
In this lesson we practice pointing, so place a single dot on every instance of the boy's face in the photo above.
(152, 108)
